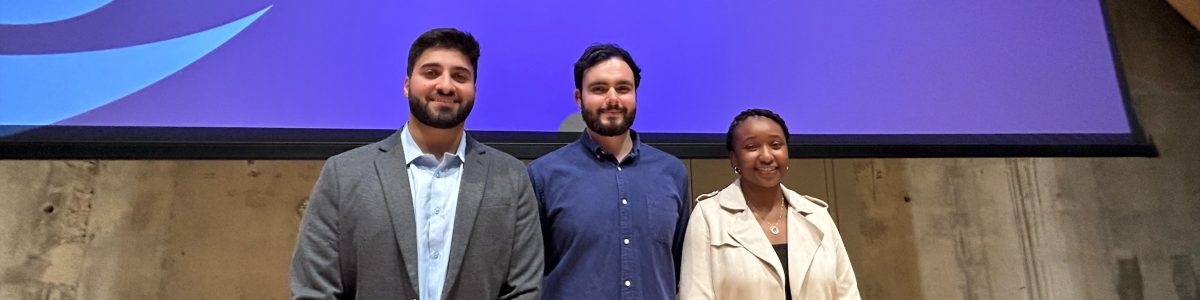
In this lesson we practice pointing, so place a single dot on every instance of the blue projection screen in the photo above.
(296, 79)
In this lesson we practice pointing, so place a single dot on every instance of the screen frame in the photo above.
(121, 142)
(103, 142)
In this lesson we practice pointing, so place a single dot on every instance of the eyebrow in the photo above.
(438, 65)
(620, 82)
(772, 135)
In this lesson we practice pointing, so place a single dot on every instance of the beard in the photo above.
(442, 118)
(614, 127)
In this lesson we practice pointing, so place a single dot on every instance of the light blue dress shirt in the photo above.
(435, 200)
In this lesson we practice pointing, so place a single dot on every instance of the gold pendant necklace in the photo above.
(774, 228)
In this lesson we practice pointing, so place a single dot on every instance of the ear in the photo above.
(578, 99)
(405, 86)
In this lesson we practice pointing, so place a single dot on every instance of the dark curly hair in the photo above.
(754, 112)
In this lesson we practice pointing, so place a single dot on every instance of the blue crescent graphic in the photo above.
(40, 89)
(26, 12)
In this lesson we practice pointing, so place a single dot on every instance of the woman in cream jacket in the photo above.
(756, 239)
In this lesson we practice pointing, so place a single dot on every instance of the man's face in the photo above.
(441, 88)
(608, 101)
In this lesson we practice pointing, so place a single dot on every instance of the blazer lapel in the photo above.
(804, 238)
(744, 229)
(393, 176)
(470, 194)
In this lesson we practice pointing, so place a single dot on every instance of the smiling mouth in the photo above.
(767, 170)
(446, 100)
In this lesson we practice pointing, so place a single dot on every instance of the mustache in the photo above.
(453, 96)
(612, 107)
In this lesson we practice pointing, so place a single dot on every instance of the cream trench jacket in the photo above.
(726, 254)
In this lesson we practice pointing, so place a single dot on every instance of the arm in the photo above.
(539, 190)
(847, 283)
(696, 282)
(681, 225)
(525, 271)
(315, 273)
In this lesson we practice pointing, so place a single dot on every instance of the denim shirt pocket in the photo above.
(663, 215)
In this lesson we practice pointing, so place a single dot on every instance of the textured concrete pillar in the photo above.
(44, 216)
(875, 217)
(149, 229)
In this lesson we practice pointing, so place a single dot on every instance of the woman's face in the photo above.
(760, 151)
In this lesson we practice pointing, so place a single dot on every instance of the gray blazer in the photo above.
(358, 236)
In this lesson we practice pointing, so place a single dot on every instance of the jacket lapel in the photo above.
(744, 229)
(470, 194)
(804, 238)
(393, 176)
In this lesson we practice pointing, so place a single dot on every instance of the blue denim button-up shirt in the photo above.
(612, 230)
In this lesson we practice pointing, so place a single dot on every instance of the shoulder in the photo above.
(709, 195)
(670, 162)
(711, 201)
(356, 158)
(558, 157)
(815, 201)
(501, 160)
(705, 203)
(710, 210)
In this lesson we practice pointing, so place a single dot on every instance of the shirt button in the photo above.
(437, 210)
(627, 283)
(627, 241)
(624, 202)
(435, 254)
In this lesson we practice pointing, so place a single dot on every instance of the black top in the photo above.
(781, 251)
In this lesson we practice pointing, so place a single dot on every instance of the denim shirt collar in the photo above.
(594, 149)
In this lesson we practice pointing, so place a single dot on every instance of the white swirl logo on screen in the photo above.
(41, 89)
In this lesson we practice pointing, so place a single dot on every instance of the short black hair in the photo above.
(598, 53)
(445, 38)
(754, 112)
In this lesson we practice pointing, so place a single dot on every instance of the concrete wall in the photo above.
(149, 229)
(1002, 228)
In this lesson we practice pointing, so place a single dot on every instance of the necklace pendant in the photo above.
(774, 229)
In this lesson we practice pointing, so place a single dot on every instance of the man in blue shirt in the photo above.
(429, 212)
(613, 209)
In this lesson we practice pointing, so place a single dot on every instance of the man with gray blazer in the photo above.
(429, 212)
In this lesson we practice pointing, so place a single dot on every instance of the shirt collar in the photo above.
(595, 150)
(412, 151)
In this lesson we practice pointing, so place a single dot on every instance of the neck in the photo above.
(762, 197)
(433, 140)
(619, 145)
